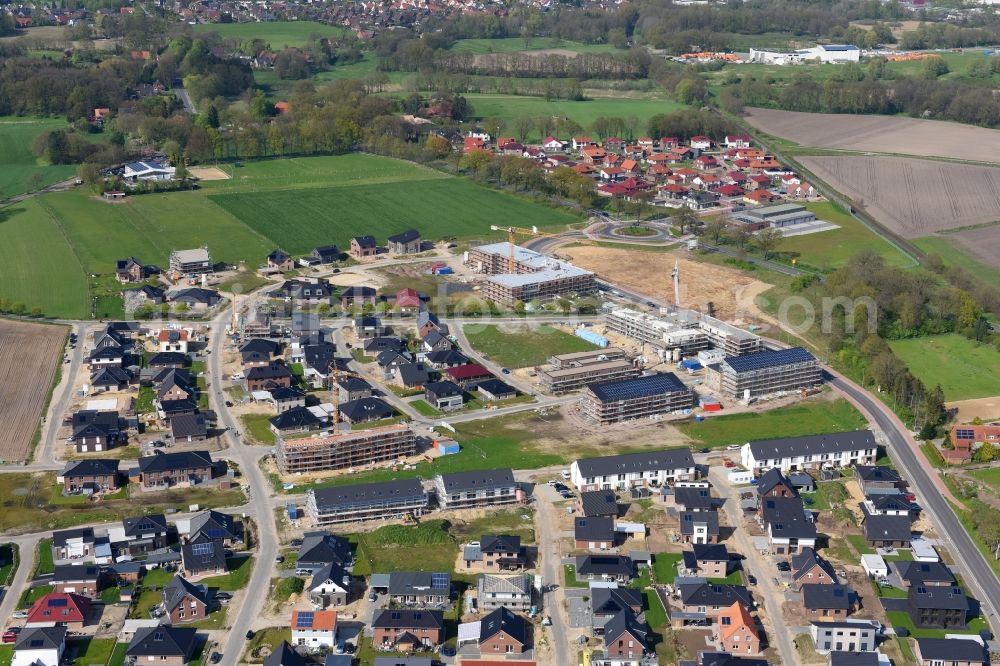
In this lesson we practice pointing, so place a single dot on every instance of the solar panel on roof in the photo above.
(203, 548)
(640, 387)
(216, 533)
(439, 579)
(768, 359)
(58, 603)
(305, 620)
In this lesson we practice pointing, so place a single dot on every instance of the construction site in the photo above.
(360, 449)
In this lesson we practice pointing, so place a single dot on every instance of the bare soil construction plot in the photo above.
(730, 291)
(29, 355)
(880, 134)
(209, 173)
(916, 197)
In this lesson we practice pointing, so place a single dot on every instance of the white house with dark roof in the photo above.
(653, 468)
(832, 450)
(477, 488)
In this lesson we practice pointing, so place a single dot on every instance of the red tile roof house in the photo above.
(593, 155)
(729, 190)
(668, 142)
(760, 197)
(614, 143)
(701, 142)
(408, 300)
(706, 162)
(612, 173)
(965, 438)
(468, 375)
(66, 609)
(552, 143)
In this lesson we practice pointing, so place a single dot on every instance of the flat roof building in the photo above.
(779, 215)
(573, 377)
(641, 397)
(518, 274)
(194, 261)
(764, 373)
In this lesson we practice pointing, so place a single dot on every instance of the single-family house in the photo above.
(875, 479)
(94, 430)
(319, 549)
(203, 556)
(950, 652)
(267, 377)
(84, 580)
(357, 297)
(614, 568)
(419, 588)
(808, 568)
(593, 503)
(407, 630)
(182, 468)
(61, 608)
(495, 552)
(607, 602)
(366, 410)
(494, 390)
(513, 592)
(708, 560)
(845, 635)
(314, 630)
(363, 246)
(711, 599)
(331, 585)
(407, 242)
(924, 574)
(504, 632)
(73, 545)
(128, 270)
(91, 475)
(140, 535)
(886, 531)
(163, 644)
(625, 636)
(189, 428)
(826, 600)
(39, 646)
(596, 532)
(737, 630)
(184, 601)
(444, 395)
(699, 526)
(279, 260)
(937, 607)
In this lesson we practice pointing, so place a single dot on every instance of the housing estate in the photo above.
(342, 450)
(654, 468)
(764, 373)
(518, 274)
(811, 452)
(640, 397)
(478, 488)
(366, 501)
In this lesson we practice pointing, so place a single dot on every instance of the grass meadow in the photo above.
(523, 348)
(18, 165)
(965, 369)
(278, 34)
(49, 245)
(516, 44)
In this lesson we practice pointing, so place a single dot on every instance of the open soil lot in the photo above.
(914, 197)
(22, 401)
(987, 409)
(730, 291)
(882, 134)
(963, 368)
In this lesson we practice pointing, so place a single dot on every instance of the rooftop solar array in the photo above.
(768, 359)
(203, 548)
(640, 387)
(439, 580)
(304, 620)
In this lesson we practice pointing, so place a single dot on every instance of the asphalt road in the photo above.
(978, 575)
(548, 551)
(45, 454)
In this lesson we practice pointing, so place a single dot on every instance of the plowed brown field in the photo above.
(880, 134)
(29, 355)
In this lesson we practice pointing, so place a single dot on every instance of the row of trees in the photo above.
(632, 64)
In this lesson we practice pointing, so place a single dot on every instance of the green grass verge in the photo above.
(424, 408)
(518, 348)
(91, 651)
(43, 560)
(665, 567)
(33, 594)
(964, 368)
(258, 426)
(813, 417)
(235, 579)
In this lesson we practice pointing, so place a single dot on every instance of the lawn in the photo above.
(92, 651)
(236, 578)
(735, 578)
(6, 654)
(515, 44)
(813, 417)
(860, 545)
(33, 594)
(259, 427)
(278, 34)
(485, 443)
(583, 112)
(424, 408)
(902, 619)
(989, 476)
(20, 170)
(43, 562)
(270, 637)
(964, 368)
(665, 567)
(9, 553)
(300, 219)
(118, 655)
(425, 547)
(520, 348)
(571, 581)
(829, 250)
(656, 614)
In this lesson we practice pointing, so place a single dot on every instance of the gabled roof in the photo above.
(710, 519)
(284, 655)
(188, 425)
(786, 518)
(323, 620)
(773, 478)
(162, 641)
(202, 553)
(90, 467)
(331, 571)
(519, 584)
(384, 343)
(165, 359)
(666, 459)
(876, 473)
(369, 407)
(401, 618)
(503, 620)
(889, 503)
(411, 374)
(887, 528)
(139, 525)
(59, 607)
(612, 600)
(213, 524)
(477, 480)
(443, 389)
(110, 376)
(837, 442)
(166, 462)
(261, 345)
(447, 357)
(938, 598)
(599, 503)
(407, 236)
(834, 596)
(738, 617)
(707, 594)
(178, 589)
(594, 528)
(949, 649)
(919, 573)
(604, 565)
(320, 548)
(68, 573)
(269, 371)
(694, 498)
(366, 242)
(419, 583)
(806, 560)
(710, 552)
(500, 543)
(40, 638)
(364, 494)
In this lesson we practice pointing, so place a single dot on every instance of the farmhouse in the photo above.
(810, 452)
(655, 468)
(463, 490)
(187, 262)
(367, 501)
(764, 373)
(629, 399)
(342, 450)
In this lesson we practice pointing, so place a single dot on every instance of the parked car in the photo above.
(705, 450)
(20, 614)
(249, 634)
(505, 371)
(784, 566)
(372, 597)
(225, 596)
(9, 637)
(751, 580)
(279, 559)
(565, 473)
(734, 447)
(216, 658)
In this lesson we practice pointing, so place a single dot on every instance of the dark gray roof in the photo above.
(623, 622)
(354, 384)
(62, 537)
(367, 409)
(887, 528)
(599, 503)
(495, 387)
(407, 236)
(853, 659)
(164, 359)
(90, 467)
(188, 425)
(676, 458)
(365, 241)
(443, 389)
(450, 357)
(178, 588)
(609, 565)
(112, 376)
(419, 583)
(503, 620)
(357, 292)
(175, 461)
(401, 618)
(154, 522)
(826, 596)
(434, 337)
(331, 571)
(889, 503)
(688, 519)
(203, 553)
(808, 559)
(213, 524)
(392, 661)
(40, 638)
(261, 345)
(363, 494)
(611, 600)
(500, 543)
(319, 548)
(284, 655)
(707, 658)
(295, 418)
(707, 594)
(949, 649)
(477, 480)
(384, 343)
(594, 528)
(196, 295)
(837, 442)
(694, 498)
(269, 371)
(412, 374)
(90, 423)
(918, 573)
(710, 552)
(787, 518)
(162, 641)
(876, 473)
(284, 394)
(946, 598)
(67, 573)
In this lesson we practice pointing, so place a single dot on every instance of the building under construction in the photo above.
(518, 274)
(764, 373)
(641, 397)
(344, 450)
(366, 501)
(687, 330)
(576, 359)
(570, 372)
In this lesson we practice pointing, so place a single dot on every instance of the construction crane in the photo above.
(512, 234)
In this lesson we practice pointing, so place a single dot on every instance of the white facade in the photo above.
(792, 460)
(825, 53)
(314, 639)
(874, 566)
(845, 636)
(625, 480)
(44, 657)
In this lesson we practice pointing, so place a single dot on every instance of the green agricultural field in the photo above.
(299, 220)
(952, 255)
(515, 44)
(520, 348)
(278, 34)
(18, 166)
(964, 369)
(292, 203)
(809, 418)
(583, 112)
(832, 249)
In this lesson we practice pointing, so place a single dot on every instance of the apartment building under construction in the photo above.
(344, 450)
(640, 397)
(764, 373)
(687, 330)
(570, 372)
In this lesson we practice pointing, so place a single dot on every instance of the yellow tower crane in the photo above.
(512, 234)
